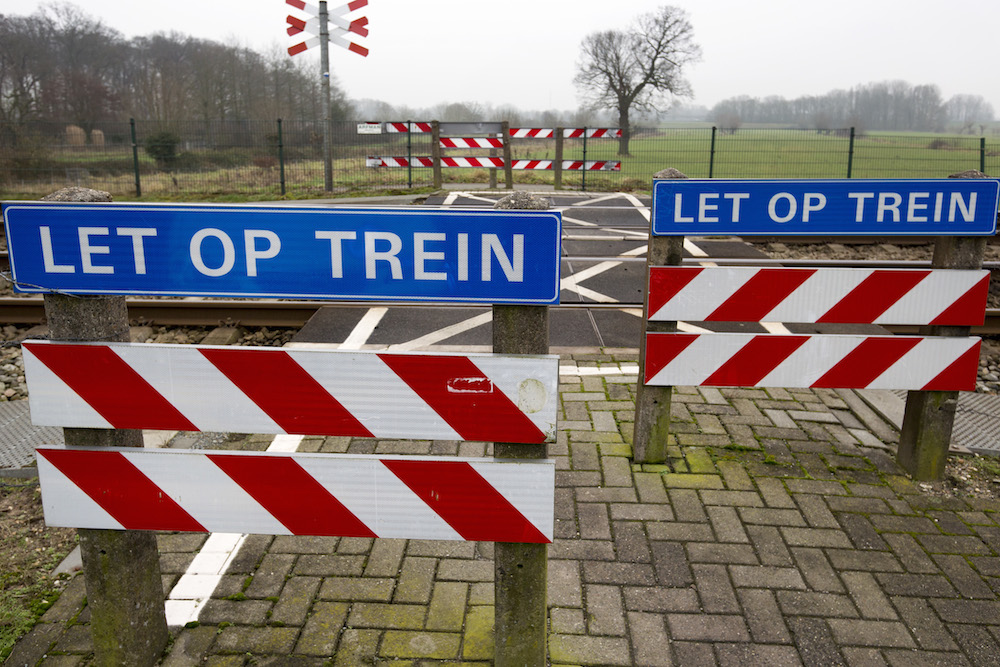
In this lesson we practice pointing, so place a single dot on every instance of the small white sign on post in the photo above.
(369, 128)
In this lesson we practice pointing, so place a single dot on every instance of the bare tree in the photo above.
(641, 68)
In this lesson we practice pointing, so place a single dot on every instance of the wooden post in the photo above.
(436, 153)
(651, 429)
(520, 629)
(508, 172)
(557, 163)
(121, 569)
(929, 416)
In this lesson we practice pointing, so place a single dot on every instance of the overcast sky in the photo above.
(524, 52)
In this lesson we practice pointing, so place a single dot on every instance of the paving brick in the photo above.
(734, 476)
(868, 596)
(265, 641)
(771, 516)
(708, 627)
(714, 589)
(415, 580)
(619, 573)
(871, 561)
(649, 639)
(774, 493)
(681, 532)
(671, 564)
(927, 628)
(966, 611)
(769, 546)
(381, 615)
(295, 601)
(762, 576)
(810, 603)
(640, 512)
(330, 565)
(903, 524)
(916, 585)
(871, 633)
(605, 613)
(863, 657)
(759, 655)
(419, 644)
(953, 544)
(594, 521)
(816, 570)
(659, 599)
(764, 617)
(631, 545)
(694, 654)
(564, 586)
(815, 642)
(713, 552)
(963, 577)
(977, 643)
(584, 650)
(910, 554)
(477, 642)
(814, 537)
(727, 525)
(357, 588)
(385, 558)
(447, 607)
(464, 570)
(687, 506)
(692, 481)
(616, 471)
(322, 629)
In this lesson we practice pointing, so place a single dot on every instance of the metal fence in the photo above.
(269, 159)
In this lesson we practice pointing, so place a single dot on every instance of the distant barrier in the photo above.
(274, 158)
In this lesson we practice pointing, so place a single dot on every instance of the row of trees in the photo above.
(62, 65)
(886, 105)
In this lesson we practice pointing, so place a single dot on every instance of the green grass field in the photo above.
(746, 153)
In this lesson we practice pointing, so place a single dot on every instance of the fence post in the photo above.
(583, 183)
(711, 154)
(520, 570)
(508, 161)
(982, 154)
(651, 429)
(121, 569)
(281, 159)
(557, 167)
(850, 153)
(409, 154)
(436, 153)
(135, 158)
(930, 415)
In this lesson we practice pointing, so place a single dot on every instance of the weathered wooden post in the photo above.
(929, 416)
(520, 570)
(651, 428)
(557, 162)
(436, 153)
(121, 569)
(508, 169)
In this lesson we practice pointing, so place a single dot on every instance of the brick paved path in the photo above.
(780, 533)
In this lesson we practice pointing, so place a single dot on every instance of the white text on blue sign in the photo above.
(363, 254)
(850, 207)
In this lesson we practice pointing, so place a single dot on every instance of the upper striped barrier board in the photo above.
(479, 397)
(941, 207)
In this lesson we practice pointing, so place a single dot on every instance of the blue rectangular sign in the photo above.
(939, 207)
(404, 254)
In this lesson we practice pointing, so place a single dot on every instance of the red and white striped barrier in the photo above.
(413, 127)
(336, 18)
(568, 133)
(471, 142)
(870, 296)
(833, 361)
(306, 392)
(297, 25)
(492, 163)
(298, 494)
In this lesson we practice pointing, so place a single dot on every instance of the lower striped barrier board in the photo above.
(433, 498)
(485, 397)
(832, 361)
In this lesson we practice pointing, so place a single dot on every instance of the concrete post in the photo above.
(930, 415)
(121, 569)
(324, 65)
(520, 629)
(651, 429)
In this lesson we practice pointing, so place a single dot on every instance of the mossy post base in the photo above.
(930, 415)
(651, 429)
(121, 569)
